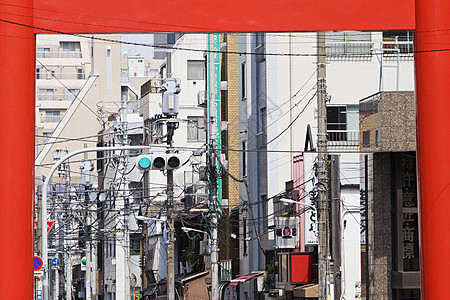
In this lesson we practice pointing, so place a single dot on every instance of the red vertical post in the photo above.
(17, 59)
(433, 143)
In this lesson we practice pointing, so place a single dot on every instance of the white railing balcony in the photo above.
(345, 140)
(56, 97)
(55, 75)
(349, 48)
(51, 119)
(58, 54)
(392, 49)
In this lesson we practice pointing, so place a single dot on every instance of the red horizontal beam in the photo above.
(117, 16)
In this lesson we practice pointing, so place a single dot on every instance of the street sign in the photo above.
(38, 273)
(55, 261)
(49, 225)
(37, 263)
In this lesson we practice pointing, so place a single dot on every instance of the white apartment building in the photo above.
(277, 88)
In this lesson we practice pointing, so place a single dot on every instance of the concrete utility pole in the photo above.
(321, 170)
(170, 222)
(214, 144)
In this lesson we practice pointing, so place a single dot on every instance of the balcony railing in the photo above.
(59, 75)
(405, 50)
(51, 119)
(345, 140)
(58, 54)
(349, 50)
(56, 97)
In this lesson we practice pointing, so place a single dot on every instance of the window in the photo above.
(135, 244)
(72, 94)
(402, 40)
(46, 136)
(43, 52)
(46, 95)
(195, 70)
(38, 73)
(70, 49)
(80, 73)
(337, 123)
(366, 139)
(243, 81)
(195, 129)
(171, 38)
(52, 116)
(348, 42)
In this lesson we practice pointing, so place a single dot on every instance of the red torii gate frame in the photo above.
(20, 20)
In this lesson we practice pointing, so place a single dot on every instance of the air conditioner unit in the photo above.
(201, 99)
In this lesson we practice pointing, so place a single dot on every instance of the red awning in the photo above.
(245, 278)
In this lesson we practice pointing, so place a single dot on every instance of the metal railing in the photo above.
(60, 75)
(56, 97)
(58, 54)
(345, 48)
(405, 50)
(343, 140)
(51, 119)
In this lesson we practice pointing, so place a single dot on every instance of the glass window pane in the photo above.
(195, 69)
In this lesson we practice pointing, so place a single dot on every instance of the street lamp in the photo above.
(300, 203)
(186, 229)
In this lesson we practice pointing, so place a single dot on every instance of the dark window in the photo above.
(337, 123)
(243, 77)
(135, 244)
(366, 138)
(171, 38)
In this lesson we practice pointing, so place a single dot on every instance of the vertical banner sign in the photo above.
(410, 226)
(311, 230)
(217, 103)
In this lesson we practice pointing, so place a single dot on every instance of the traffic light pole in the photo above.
(44, 244)
(170, 224)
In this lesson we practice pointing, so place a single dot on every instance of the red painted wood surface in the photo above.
(433, 144)
(17, 59)
(222, 16)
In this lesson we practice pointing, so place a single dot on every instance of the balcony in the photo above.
(57, 97)
(354, 51)
(343, 140)
(48, 75)
(51, 119)
(392, 49)
(57, 54)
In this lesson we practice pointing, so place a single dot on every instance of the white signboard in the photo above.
(286, 232)
(310, 217)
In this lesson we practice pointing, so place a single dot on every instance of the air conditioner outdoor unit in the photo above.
(201, 98)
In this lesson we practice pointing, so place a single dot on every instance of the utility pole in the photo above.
(170, 222)
(322, 174)
(214, 144)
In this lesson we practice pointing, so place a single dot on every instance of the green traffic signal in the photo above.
(144, 162)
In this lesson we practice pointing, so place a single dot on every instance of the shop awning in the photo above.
(245, 278)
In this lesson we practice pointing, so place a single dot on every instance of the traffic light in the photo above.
(159, 161)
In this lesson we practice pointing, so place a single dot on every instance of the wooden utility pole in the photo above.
(321, 170)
